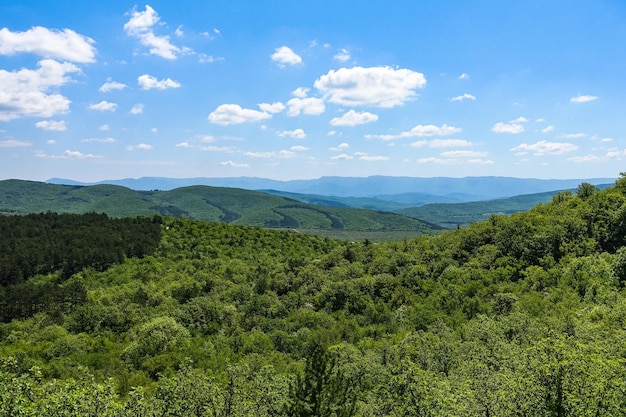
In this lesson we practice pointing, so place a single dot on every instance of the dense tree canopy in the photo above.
(517, 315)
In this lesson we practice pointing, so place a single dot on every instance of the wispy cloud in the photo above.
(58, 126)
(140, 26)
(582, 99)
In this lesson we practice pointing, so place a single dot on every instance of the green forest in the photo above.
(517, 315)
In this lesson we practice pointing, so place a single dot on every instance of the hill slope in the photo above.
(227, 205)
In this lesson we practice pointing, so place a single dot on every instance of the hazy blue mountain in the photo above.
(396, 189)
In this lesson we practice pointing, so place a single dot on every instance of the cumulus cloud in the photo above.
(544, 148)
(231, 114)
(375, 86)
(340, 147)
(148, 82)
(299, 148)
(140, 26)
(342, 156)
(12, 143)
(111, 85)
(296, 134)
(420, 131)
(309, 105)
(342, 55)
(59, 126)
(48, 43)
(103, 106)
(137, 109)
(27, 93)
(512, 128)
(582, 99)
(465, 96)
(548, 129)
(285, 56)
(301, 92)
(273, 108)
(352, 118)
(141, 147)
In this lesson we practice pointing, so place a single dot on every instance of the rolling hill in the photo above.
(216, 204)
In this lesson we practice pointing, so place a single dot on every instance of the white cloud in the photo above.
(463, 154)
(342, 156)
(548, 129)
(137, 109)
(296, 134)
(111, 85)
(184, 145)
(284, 154)
(231, 114)
(148, 82)
(340, 147)
(273, 108)
(104, 127)
(342, 55)
(606, 140)
(140, 26)
(299, 148)
(512, 128)
(375, 86)
(234, 164)
(582, 99)
(465, 96)
(615, 154)
(99, 140)
(420, 131)
(310, 105)
(141, 146)
(544, 148)
(301, 92)
(441, 143)
(59, 126)
(352, 118)
(579, 135)
(103, 106)
(211, 148)
(12, 143)
(59, 44)
(284, 55)
(373, 158)
(68, 154)
(26, 93)
(463, 76)
(179, 31)
(583, 159)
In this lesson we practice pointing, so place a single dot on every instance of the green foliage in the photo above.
(517, 315)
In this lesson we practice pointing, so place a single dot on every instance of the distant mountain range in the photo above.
(405, 192)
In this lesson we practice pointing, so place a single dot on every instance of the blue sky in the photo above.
(304, 89)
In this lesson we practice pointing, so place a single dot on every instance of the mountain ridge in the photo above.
(433, 189)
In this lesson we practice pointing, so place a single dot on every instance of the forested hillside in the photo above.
(215, 204)
(517, 315)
